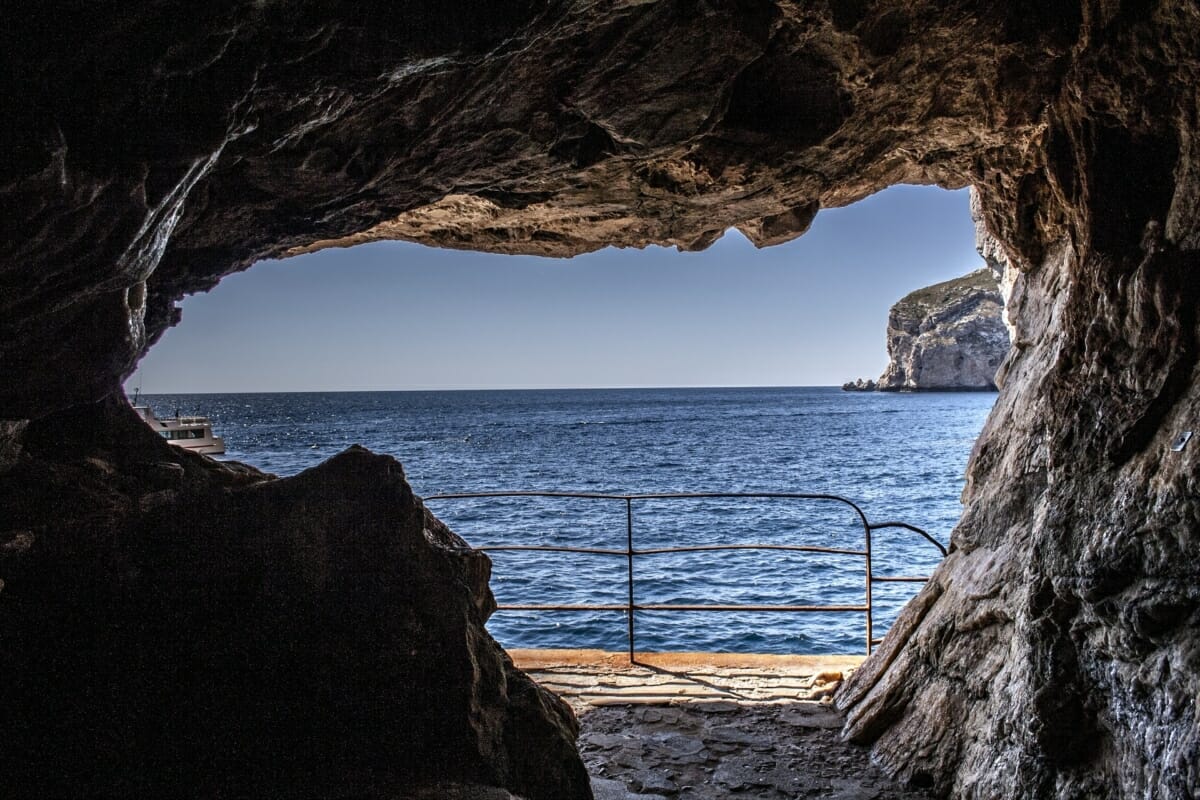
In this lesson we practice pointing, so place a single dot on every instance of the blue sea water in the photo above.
(898, 456)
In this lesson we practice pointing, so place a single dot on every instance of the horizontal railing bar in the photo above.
(600, 551)
(673, 607)
(797, 548)
(650, 496)
(900, 578)
(576, 495)
(746, 495)
(642, 496)
(573, 607)
(699, 548)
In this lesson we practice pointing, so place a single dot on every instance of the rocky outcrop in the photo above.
(1061, 630)
(949, 336)
(991, 250)
(174, 627)
(152, 149)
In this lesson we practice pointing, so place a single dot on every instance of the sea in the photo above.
(897, 457)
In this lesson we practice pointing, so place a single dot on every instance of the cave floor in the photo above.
(698, 726)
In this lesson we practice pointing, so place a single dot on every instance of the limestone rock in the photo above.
(860, 385)
(949, 336)
(991, 250)
(151, 149)
(1061, 630)
(320, 635)
(605, 789)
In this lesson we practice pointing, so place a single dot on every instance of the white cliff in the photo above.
(947, 336)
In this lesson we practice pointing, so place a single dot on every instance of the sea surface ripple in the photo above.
(898, 456)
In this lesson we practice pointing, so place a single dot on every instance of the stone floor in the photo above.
(704, 726)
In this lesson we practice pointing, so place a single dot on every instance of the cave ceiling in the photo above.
(152, 150)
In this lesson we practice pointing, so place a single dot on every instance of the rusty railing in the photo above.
(630, 553)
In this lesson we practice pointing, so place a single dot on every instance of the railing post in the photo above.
(870, 620)
(629, 571)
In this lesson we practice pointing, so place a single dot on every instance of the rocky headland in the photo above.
(152, 149)
(947, 337)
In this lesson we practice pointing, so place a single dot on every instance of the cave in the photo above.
(150, 151)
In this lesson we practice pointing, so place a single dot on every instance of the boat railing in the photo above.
(630, 553)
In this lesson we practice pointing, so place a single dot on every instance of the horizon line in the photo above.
(500, 389)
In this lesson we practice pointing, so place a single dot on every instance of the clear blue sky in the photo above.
(394, 315)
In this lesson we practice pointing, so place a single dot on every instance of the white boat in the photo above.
(190, 433)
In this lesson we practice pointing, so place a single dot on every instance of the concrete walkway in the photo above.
(701, 726)
(594, 678)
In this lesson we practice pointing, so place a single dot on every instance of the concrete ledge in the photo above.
(802, 664)
(598, 678)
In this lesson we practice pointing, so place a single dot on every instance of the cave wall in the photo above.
(1055, 652)
(152, 150)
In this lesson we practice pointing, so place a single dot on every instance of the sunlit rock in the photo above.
(949, 336)
(860, 385)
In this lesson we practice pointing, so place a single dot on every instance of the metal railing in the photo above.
(629, 553)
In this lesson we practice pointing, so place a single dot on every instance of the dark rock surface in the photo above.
(949, 336)
(174, 627)
(1061, 631)
(717, 750)
(149, 152)
(151, 149)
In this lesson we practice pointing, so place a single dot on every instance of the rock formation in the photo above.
(860, 385)
(949, 336)
(191, 629)
(151, 150)
(992, 251)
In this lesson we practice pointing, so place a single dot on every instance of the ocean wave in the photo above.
(898, 457)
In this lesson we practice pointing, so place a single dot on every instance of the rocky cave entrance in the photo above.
(698, 726)
(372, 315)
(177, 627)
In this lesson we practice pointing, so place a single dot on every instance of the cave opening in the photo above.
(630, 371)
(173, 623)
